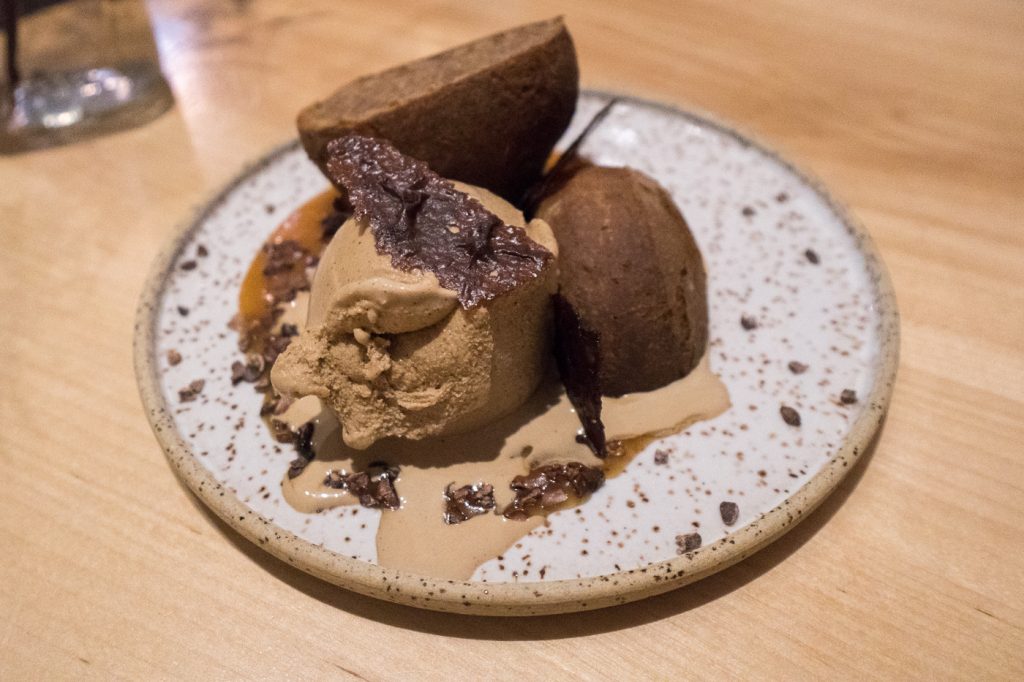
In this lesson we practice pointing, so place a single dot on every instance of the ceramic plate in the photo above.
(778, 250)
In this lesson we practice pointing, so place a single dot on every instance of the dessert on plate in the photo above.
(453, 335)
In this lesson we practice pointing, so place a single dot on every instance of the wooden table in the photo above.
(913, 115)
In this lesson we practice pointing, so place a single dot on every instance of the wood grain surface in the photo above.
(912, 112)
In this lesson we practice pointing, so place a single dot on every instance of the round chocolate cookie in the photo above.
(631, 268)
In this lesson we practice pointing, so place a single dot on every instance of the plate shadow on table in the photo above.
(558, 626)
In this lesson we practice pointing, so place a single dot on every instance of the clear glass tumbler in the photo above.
(76, 68)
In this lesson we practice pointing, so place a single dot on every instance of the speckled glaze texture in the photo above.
(791, 278)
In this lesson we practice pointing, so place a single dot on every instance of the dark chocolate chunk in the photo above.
(848, 396)
(789, 415)
(190, 392)
(812, 256)
(578, 354)
(797, 367)
(188, 265)
(173, 357)
(549, 486)
(182, 310)
(410, 210)
(748, 322)
(730, 511)
(688, 542)
(464, 503)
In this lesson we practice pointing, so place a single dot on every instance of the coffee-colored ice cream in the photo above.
(393, 353)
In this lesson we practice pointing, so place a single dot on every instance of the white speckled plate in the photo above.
(777, 249)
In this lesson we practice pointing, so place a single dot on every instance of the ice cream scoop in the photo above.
(393, 353)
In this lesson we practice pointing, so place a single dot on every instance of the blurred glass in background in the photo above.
(76, 68)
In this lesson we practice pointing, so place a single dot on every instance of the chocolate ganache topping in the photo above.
(422, 221)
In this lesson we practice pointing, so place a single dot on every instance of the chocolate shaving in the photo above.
(688, 543)
(190, 392)
(422, 221)
(375, 488)
(462, 504)
(789, 415)
(568, 163)
(661, 457)
(549, 486)
(848, 396)
(730, 511)
(578, 354)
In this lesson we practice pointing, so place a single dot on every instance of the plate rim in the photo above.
(528, 598)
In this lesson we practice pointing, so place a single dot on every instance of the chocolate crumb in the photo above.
(730, 511)
(687, 543)
(269, 208)
(201, 251)
(285, 270)
(812, 256)
(297, 466)
(848, 396)
(188, 265)
(251, 370)
(375, 487)
(409, 209)
(789, 415)
(578, 355)
(782, 197)
(182, 310)
(661, 457)
(189, 393)
(748, 322)
(797, 367)
(289, 330)
(549, 486)
(281, 431)
(748, 211)
(173, 357)
(462, 504)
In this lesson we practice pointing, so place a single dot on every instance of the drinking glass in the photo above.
(76, 68)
